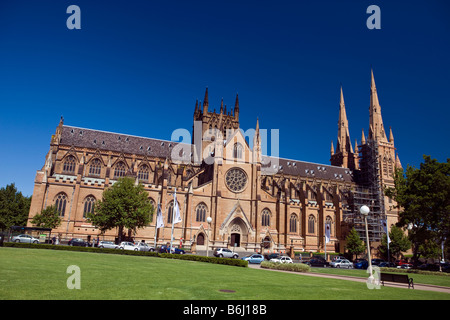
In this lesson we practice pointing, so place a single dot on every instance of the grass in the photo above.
(41, 274)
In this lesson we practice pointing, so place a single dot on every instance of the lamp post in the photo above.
(209, 219)
(364, 210)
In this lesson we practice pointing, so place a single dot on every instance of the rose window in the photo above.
(236, 179)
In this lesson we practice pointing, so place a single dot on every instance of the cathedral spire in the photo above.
(344, 144)
(344, 155)
(236, 107)
(205, 102)
(376, 121)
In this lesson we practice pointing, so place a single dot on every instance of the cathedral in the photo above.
(230, 195)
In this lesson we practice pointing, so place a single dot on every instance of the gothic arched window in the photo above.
(69, 164)
(143, 173)
(60, 203)
(95, 167)
(88, 205)
(201, 212)
(293, 223)
(237, 150)
(311, 224)
(265, 216)
(119, 170)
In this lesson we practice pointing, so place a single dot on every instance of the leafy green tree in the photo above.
(424, 198)
(124, 205)
(48, 218)
(14, 207)
(354, 243)
(399, 243)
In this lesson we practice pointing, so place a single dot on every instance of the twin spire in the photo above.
(345, 155)
(223, 109)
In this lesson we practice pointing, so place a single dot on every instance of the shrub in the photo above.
(296, 267)
(225, 261)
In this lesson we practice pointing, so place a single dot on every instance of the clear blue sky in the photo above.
(137, 67)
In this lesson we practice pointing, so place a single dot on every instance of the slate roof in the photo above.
(96, 139)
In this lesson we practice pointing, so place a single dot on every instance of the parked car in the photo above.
(282, 259)
(271, 256)
(225, 253)
(360, 264)
(166, 249)
(25, 238)
(376, 262)
(405, 266)
(126, 245)
(254, 258)
(342, 263)
(387, 265)
(142, 246)
(335, 258)
(318, 262)
(108, 245)
(78, 242)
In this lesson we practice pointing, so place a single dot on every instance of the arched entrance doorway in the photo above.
(201, 239)
(238, 232)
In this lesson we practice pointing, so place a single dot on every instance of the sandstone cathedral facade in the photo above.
(256, 202)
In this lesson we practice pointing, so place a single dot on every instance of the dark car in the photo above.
(78, 242)
(377, 262)
(166, 249)
(317, 262)
(387, 265)
(272, 256)
(361, 264)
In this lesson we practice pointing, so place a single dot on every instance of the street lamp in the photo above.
(209, 220)
(364, 210)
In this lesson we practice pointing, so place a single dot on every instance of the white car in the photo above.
(108, 245)
(25, 238)
(125, 245)
(342, 263)
(225, 253)
(282, 259)
(142, 246)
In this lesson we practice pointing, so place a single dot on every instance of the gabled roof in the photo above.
(123, 143)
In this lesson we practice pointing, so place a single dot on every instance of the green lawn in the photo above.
(41, 274)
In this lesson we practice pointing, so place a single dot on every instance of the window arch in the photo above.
(170, 211)
(143, 172)
(329, 221)
(201, 212)
(265, 218)
(60, 203)
(293, 223)
(89, 203)
(119, 170)
(69, 164)
(311, 224)
(95, 167)
(237, 150)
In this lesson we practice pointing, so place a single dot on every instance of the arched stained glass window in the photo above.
(69, 164)
(60, 203)
(265, 216)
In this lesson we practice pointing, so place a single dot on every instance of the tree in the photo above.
(354, 243)
(424, 198)
(124, 205)
(399, 243)
(48, 218)
(14, 207)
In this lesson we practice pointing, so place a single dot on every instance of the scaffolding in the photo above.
(368, 192)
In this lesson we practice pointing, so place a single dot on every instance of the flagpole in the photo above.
(325, 242)
(173, 214)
